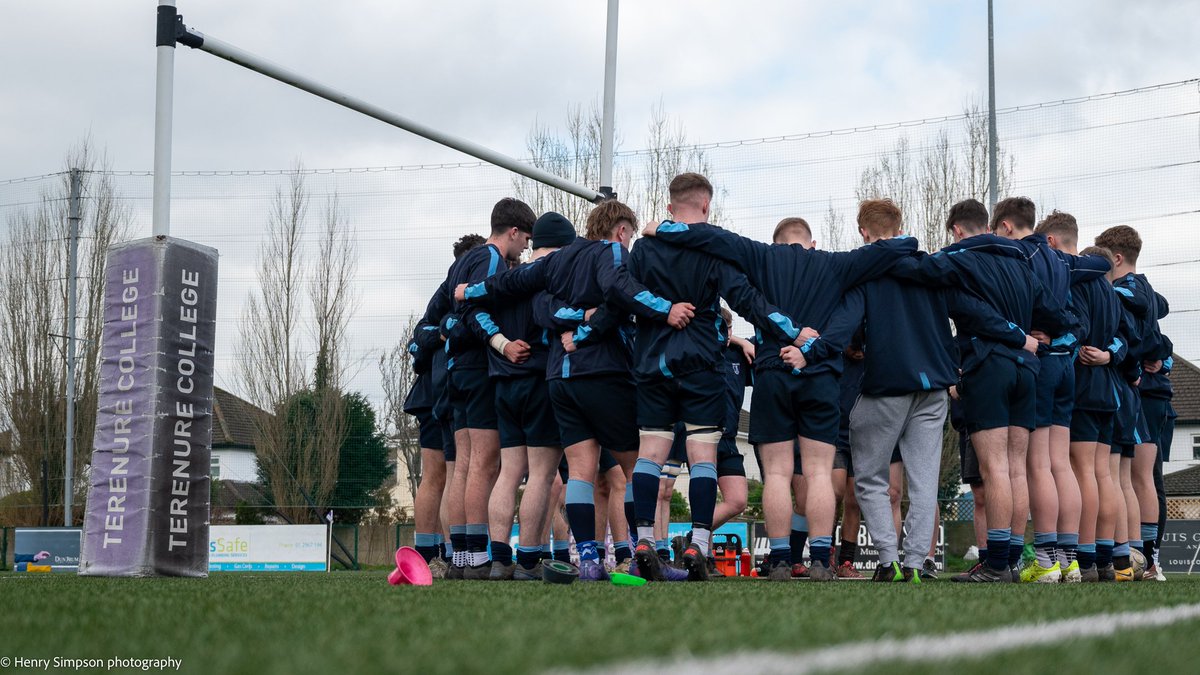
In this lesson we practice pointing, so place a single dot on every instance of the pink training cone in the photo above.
(411, 569)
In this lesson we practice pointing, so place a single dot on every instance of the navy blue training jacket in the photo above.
(906, 333)
(1145, 340)
(467, 351)
(996, 271)
(1058, 272)
(583, 275)
(1100, 318)
(806, 284)
(428, 354)
(687, 275)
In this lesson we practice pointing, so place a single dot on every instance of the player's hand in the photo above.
(855, 354)
(517, 351)
(460, 292)
(1092, 356)
(681, 315)
(568, 342)
(650, 230)
(954, 391)
(793, 357)
(746, 346)
(1040, 336)
(1031, 344)
(587, 316)
(1136, 383)
(807, 334)
(1152, 366)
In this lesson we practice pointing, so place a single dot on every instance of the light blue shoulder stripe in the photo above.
(494, 263)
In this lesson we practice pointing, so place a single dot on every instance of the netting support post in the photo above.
(164, 100)
(993, 183)
(607, 122)
(73, 216)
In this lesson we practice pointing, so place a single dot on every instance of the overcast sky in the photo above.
(488, 70)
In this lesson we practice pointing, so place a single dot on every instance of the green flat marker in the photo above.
(620, 579)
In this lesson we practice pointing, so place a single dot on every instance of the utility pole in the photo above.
(992, 143)
(72, 310)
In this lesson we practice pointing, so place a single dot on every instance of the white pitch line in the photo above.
(972, 645)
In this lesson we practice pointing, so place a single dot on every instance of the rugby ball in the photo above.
(1138, 561)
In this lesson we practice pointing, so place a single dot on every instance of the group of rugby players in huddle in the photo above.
(591, 371)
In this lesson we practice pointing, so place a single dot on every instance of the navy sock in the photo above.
(444, 550)
(645, 490)
(1121, 555)
(426, 545)
(819, 548)
(562, 550)
(798, 537)
(1086, 555)
(1104, 552)
(477, 537)
(999, 540)
(846, 551)
(621, 551)
(581, 510)
(502, 553)
(528, 556)
(1016, 547)
(1149, 535)
(630, 517)
(983, 554)
(458, 538)
(702, 493)
(780, 551)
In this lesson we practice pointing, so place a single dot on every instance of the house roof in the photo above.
(1185, 380)
(1184, 483)
(230, 493)
(233, 420)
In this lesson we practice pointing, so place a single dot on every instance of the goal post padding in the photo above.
(148, 495)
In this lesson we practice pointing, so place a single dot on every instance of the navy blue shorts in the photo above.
(1091, 426)
(607, 461)
(968, 461)
(729, 460)
(596, 407)
(678, 452)
(695, 398)
(1129, 424)
(430, 429)
(844, 460)
(449, 447)
(1155, 412)
(473, 397)
(1055, 391)
(785, 406)
(524, 413)
(999, 393)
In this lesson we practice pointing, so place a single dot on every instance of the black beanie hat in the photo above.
(552, 230)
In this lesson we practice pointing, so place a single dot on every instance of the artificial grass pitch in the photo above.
(353, 622)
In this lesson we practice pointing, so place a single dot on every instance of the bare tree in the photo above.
(926, 182)
(641, 178)
(299, 444)
(575, 156)
(835, 234)
(401, 429)
(33, 319)
(668, 154)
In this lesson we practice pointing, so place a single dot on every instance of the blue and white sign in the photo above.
(268, 548)
(38, 548)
